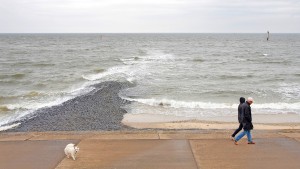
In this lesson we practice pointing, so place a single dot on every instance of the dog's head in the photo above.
(76, 149)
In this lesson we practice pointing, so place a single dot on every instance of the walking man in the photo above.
(247, 122)
(240, 118)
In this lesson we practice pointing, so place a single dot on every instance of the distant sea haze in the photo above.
(182, 75)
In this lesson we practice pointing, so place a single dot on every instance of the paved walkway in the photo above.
(150, 150)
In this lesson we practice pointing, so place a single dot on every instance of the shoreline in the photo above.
(207, 125)
(145, 121)
(101, 110)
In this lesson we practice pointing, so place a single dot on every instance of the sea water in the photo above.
(182, 75)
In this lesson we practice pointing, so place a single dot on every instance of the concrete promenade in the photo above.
(151, 149)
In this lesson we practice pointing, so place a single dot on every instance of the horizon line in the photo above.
(147, 32)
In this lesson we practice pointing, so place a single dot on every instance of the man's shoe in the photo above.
(251, 142)
(236, 143)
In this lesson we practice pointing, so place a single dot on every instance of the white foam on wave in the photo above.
(273, 107)
(129, 61)
(3, 128)
(110, 71)
(27, 107)
(158, 56)
(134, 68)
(184, 104)
(277, 106)
(54, 98)
(131, 79)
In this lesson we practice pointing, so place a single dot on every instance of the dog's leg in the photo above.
(73, 156)
(67, 154)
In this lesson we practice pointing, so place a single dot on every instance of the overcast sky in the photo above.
(143, 16)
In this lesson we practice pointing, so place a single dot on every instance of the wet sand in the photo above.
(145, 121)
(194, 125)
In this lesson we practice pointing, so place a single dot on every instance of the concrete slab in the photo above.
(95, 135)
(62, 136)
(125, 136)
(291, 135)
(132, 154)
(196, 134)
(213, 134)
(265, 134)
(32, 154)
(273, 153)
(16, 136)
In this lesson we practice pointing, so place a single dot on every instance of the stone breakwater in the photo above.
(100, 109)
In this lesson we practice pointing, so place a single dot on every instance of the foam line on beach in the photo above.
(211, 105)
(3, 128)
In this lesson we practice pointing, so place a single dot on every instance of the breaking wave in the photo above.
(275, 107)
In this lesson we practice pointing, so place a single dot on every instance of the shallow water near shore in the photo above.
(194, 76)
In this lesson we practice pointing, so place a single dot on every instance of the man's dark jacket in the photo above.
(247, 116)
(240, 113)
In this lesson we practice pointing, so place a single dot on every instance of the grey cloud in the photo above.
(149, 15)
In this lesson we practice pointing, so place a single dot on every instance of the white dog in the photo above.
(71, 150)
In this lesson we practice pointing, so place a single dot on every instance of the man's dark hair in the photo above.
(242, 100)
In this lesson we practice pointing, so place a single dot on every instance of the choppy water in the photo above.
(189, 75)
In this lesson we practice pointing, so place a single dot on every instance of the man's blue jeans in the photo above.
(242, 134)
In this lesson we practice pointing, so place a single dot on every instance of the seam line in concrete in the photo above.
(29, 138)
(288, 137)
(193, 154)
(58, 163)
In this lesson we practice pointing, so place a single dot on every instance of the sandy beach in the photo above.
(144, 121)
(193, 124)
